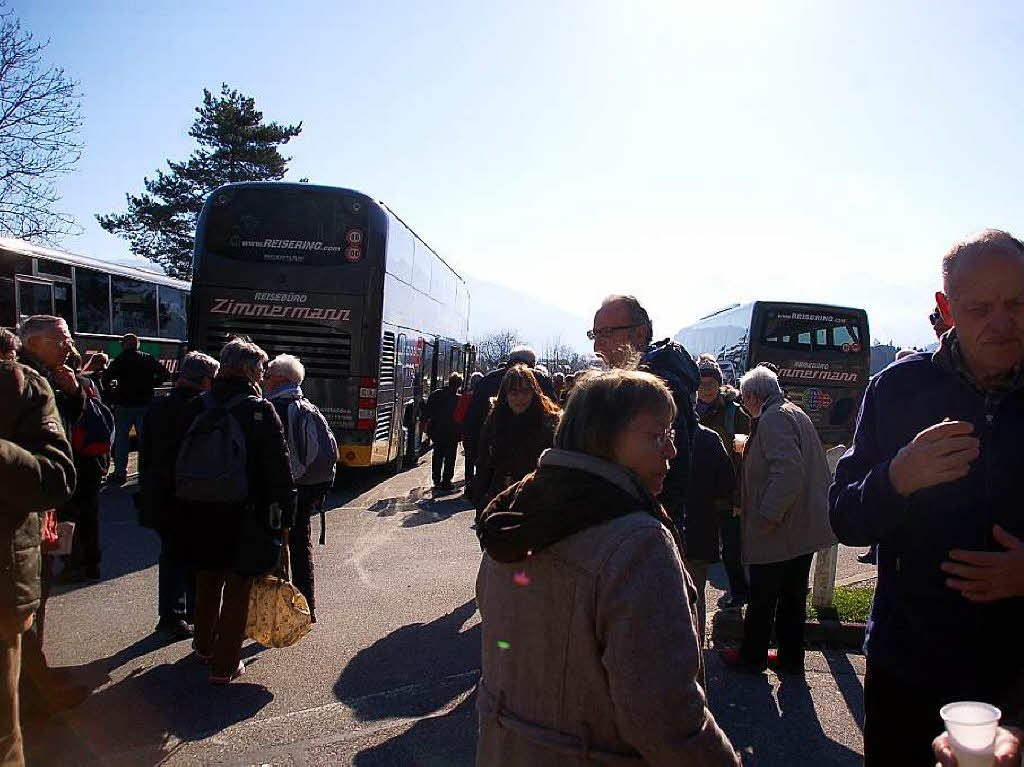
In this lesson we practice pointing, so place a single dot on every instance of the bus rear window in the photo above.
(286, 226)
(812, 331)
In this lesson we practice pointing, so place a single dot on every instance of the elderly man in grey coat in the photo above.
(785, 520)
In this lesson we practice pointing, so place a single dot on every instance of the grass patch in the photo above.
(850, 603)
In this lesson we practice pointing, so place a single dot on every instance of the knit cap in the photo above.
(709, 369)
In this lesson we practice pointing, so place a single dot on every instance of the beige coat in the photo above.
(785, 480)
(589, 648)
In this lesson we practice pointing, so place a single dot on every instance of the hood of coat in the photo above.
(567, 493)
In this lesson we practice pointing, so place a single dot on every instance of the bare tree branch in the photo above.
(40, 117)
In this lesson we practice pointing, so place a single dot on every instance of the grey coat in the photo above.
(590, 654)
(785, 480)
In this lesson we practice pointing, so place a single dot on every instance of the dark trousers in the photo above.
(470, 450)
(11, 749)
(778, 596)
(176, 583)
(731, 528)
(300, 543)
(220, 623)
(443, 462)
(85, 508)
(900, 720)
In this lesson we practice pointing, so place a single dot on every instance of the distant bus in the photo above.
(101, 301)
(334, 277)
(822, 352)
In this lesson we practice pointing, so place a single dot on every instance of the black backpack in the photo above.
(212, 462)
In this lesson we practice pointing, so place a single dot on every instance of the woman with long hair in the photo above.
(520, 426)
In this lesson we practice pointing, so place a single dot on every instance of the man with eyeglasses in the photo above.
(622, 336)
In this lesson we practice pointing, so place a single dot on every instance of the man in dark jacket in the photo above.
(36, 473)
(46, 348)
(933, 478)
(622, 336)
(130, 380)
(718, 408)
(176, 581)
(708, 494)
(444, 432)
(215, 528)
(487, 388)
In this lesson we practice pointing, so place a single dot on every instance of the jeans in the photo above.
(698, 570)
(176, 583)
(220, 625)
(778, 596)
(731, 529)
(443, 461)
(125, 418)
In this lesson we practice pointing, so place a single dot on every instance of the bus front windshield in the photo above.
(286, 226)
(812, 330)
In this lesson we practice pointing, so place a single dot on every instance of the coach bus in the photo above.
(822, 352)
(334, 277)
(101, 301)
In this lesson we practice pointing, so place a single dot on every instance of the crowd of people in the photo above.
(602, 499)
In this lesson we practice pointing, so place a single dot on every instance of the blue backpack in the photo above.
(93, 433)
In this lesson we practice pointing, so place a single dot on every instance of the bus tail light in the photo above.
(366, 418)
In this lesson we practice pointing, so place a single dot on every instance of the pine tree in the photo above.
(234, 145)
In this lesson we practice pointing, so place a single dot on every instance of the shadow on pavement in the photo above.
(142, 719)
(773, 727)
(438, 509)
(442, 740)
(850, 686)
(439, 651)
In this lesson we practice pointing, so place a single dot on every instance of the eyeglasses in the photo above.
(660, 439)
(606, 332)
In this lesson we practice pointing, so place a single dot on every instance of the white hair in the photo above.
(39, 325)
(522, 353)
(288, 367)
(760, 382)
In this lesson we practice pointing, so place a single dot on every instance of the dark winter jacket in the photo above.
(673, 365)
(157, 455)
(920, 629)
(708, 494)
(504, 458)
(215, 527)
(441, 426)
(487, 388)
(727, 418)
(36, 473)
(590, 652)
(131, 377)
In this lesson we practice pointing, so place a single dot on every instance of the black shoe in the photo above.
(73, 574)
(176, 628)
(868, 557)
(734, 603)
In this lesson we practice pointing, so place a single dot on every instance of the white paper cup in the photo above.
(739, 443)
(972, 731)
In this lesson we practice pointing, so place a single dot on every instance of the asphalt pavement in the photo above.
(387, 675)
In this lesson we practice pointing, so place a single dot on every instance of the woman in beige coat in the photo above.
(785, 520)
(589, 648)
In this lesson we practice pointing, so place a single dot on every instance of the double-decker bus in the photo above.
(334, 277)
(822, 352)
(101, 301)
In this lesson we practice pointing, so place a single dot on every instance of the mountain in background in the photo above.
(495, 307)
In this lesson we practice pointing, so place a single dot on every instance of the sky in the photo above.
(692, 154)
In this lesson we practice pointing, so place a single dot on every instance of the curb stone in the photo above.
(728, 625)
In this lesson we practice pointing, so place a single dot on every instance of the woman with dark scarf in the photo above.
(590, 650)
(520, 426)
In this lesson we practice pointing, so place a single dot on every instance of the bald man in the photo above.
(933, 479)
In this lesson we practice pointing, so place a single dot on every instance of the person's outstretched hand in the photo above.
(1008, 748)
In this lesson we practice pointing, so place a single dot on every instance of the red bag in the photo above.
(48, 530)
(462, 407)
